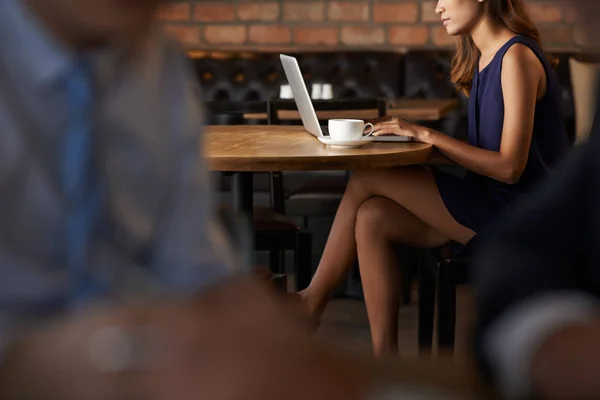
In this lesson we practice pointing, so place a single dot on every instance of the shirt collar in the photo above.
(31, 45)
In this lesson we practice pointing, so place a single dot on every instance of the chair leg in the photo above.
(446, 303)
(303, 255)
(426, 308)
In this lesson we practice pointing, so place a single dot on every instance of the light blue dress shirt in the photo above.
(157, 227)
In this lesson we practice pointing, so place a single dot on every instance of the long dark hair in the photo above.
(509, 13)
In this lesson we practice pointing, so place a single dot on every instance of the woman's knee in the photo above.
(370, 219)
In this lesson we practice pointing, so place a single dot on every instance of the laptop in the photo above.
(305, 105)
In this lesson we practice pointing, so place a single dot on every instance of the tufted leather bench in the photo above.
(258, 76)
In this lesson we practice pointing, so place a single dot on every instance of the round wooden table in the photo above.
(264, 148)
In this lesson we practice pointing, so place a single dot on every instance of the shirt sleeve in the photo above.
(193, 249)
(531, 275)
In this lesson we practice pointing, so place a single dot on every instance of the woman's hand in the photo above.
(399, 127)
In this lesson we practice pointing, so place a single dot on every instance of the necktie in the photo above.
(79, 183)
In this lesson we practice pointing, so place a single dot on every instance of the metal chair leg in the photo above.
(303, 255)
(446, 303)
(426, 308)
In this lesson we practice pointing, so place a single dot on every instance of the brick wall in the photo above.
(310, 24)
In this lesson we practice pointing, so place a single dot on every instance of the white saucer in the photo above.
(346, 144)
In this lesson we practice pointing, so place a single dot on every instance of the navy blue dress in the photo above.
(477, 201)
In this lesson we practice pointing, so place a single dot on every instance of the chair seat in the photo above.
(317, 197)
(266, 219)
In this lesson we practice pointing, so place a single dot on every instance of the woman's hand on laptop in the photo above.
(399, 127)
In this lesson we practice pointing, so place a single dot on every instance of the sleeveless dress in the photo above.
(477, 201)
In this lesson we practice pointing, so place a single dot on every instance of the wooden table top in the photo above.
(261, 148)
(409, 109)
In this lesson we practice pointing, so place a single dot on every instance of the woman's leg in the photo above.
(380, 223)
(412, 188)
(340, 249)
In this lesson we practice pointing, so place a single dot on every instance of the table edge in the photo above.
(316, 163)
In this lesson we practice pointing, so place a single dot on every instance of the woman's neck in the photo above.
(489, 36)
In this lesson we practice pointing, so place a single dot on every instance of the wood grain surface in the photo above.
(256, 148)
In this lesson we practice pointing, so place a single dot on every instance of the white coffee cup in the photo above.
(348, 129)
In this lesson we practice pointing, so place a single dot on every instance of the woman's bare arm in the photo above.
(521, 76)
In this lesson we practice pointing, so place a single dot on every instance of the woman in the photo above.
(516, 134)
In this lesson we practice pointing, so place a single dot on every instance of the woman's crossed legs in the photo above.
(379, 208)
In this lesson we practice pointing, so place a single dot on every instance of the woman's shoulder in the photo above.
(516, 53)
(521, 57)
